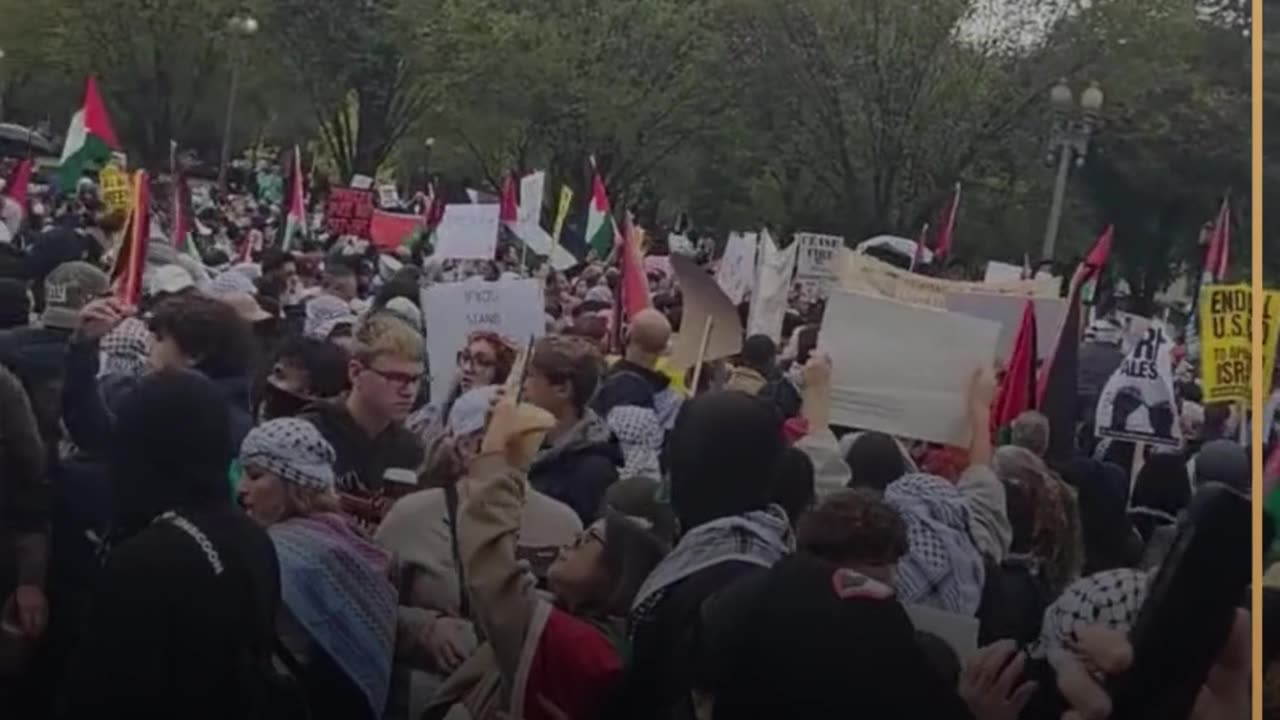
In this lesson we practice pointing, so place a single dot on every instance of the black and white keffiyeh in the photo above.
(292, 449)
(1111, 599)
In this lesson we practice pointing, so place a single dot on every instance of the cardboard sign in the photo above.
(867, 275)
(113, 185)
(703, 298)
(452, 311)
(902, 369)
(1225, 342)
(349, 212)
(1138, 402)
(1007, 310)
(1002, 272)
(361, 182)
(738, 266)
(468, 232)
(818, 259)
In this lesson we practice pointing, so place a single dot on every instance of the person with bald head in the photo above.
(634, 379)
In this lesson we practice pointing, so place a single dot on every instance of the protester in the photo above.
(302, 371)
(634, 380)
(581, 457)
(1161, 490)
(365, 427)
(183, 556)
(485, 359)
(568, 655)
(339, 605)
(758, 374)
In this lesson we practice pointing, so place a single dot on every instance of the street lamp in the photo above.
(239, 27)
(4, 85)
(1073, 124)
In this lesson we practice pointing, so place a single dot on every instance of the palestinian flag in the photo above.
(1217, 254)
(600, 226)
(1017, 392)
(509, 203)
(1056, 395)
(947, 228)
(90, 139)
(131, 255)
(295, 219)
(1090, 270)
(13, 204)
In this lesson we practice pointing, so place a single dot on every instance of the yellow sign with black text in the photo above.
(1225, 342)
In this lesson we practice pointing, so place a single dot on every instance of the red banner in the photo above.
(349, 212)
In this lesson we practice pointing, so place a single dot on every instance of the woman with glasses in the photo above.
(485, 359)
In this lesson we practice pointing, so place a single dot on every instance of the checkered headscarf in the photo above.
(294, 450)
(320, 311)
(125, 349)
(1111, 598)
(943, 568)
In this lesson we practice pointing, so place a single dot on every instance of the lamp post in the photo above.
(240, 27)
(1073, 125)
(4, 84)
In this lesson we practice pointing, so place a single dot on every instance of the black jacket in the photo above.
(38, 355)
(363, 461)
(174, 631)
(628, 384)
(578, 468)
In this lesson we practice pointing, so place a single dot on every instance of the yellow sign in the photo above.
(113, 185)
(1270, 336)
(1224, 342)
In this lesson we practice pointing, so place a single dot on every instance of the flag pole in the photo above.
(702, 354)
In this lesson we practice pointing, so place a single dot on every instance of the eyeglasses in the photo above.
(483, 361)
(397, 379)
(589, 535)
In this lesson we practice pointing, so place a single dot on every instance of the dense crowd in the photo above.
(239, 499)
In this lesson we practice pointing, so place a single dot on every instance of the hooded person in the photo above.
(181, 555)
(1160, 492)
(435, 625)
(544, 658)
(723, 454)
(758, 374)
(1219, 462)
(1110, 540)
(581, 457)
(339, 615)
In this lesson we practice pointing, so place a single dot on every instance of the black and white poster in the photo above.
(1138, 403)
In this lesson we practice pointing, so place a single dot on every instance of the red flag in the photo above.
(181, 228)
(946, 230)
(434, 211)
(1095, 260)
(19, 182)
(126, 274)
(295, 219)
(1017, 391)
(634, 285)
(1215, 259)
(96, 120)
(388, 230)
(509, 204)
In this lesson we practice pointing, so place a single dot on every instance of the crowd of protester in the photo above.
(238, 500)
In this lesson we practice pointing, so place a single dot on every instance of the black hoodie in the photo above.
(628, 384)
(183, 613)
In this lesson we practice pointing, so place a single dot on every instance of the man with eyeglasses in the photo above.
(377, 457)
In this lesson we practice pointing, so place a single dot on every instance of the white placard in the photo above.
(452, 311)
(530, 231)
(1138, 402)
(818, 258)
(1007, 310)
(361, 182)
(904, 369)
(738, 266)
(388, 196)
(1003, 272)
(467, 232)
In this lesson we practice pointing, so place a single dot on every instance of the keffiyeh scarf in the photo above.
(943, 568)
(1111, 599)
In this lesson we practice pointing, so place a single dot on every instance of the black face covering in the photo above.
(278, 403)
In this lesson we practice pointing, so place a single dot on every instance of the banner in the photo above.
(818, 259)
(773, 282)
(468, 232)
(349, 212)
(703, 298)
(738, 266)
(902, 369)
(452, 311)
(869, 276)
(1003, 272)
(1007, 311)
(1224, 343)
(388, 230)
(1138, 402)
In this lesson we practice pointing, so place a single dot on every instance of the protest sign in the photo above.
(113, 185)
(349, 212)
(468, 232)
(452, 311)
(703, 298)
(818, 258)
(769, 296)
(388, 196)
(867, 275)
(1003, 272)
(902, 369)
(738, 266)
(1224, 341)
(1138, 402)
(361, 182)
(1007, 310)
(1270, 335)
(1133, 328)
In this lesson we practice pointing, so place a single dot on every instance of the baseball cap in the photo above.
(168, 279)
(67, 289)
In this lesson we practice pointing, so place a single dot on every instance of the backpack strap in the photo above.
(451, 506)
